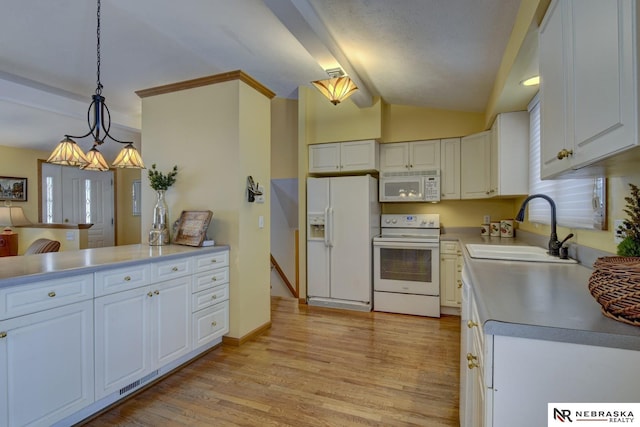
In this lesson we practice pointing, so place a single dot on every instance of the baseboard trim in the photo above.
(237, 342)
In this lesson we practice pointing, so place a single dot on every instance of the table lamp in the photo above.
(11, 216)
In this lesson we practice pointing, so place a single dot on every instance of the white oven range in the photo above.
(406, 263)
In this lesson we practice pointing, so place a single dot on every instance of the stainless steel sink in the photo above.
(514, 253)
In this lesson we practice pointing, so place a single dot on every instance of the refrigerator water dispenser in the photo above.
(316, 227)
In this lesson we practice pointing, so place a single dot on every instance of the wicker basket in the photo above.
(615, 284)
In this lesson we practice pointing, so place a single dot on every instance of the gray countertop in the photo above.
(540, 300)
(22, 269)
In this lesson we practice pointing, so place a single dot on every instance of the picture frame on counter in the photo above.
(192, 227)
(13, 189)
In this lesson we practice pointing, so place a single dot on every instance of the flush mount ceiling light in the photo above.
(68, 153)
(531, 81)
(337, 88)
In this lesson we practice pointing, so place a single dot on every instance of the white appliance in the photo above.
(406, 264)
(343, 216)
(413, 186)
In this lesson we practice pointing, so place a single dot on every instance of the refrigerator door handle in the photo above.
(330, 227)
(326, 227)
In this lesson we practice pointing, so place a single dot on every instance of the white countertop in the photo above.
(541, 301)
(21, 269)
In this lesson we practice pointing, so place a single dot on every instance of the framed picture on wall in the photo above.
(13, 189)
(192, 227)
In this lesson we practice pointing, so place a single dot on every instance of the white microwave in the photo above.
(413, 186)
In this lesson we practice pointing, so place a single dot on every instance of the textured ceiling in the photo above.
(433, 53)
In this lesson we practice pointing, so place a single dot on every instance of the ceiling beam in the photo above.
(304, 23)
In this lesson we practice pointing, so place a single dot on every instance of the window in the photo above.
(580, 203)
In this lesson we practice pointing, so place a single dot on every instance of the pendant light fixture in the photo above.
(68, 153)
(337, 88)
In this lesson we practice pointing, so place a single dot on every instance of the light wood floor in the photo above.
(314, 367)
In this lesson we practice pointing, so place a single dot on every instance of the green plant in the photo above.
(630, 246)
(160, 181)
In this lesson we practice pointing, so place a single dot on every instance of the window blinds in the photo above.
(577, 201)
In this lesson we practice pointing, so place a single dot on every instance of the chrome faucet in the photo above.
(554, 244)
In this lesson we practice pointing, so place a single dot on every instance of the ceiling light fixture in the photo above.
(337, 88)
(531, 81)
(68, 153)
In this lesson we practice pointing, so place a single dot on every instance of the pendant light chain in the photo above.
(99, 84)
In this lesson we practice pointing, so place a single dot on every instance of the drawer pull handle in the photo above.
(174, 269)
(472, 365)
(3, 334)
(214, 260)
(157, 292)
(471, 357)
(127, 278)
(214, 278)
(564, 153)
(214, 323)
(213, 296)
(52, 294)
(150, 294)
(471, 324)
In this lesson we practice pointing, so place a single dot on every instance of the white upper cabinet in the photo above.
(341, 157)
(588, 88)
(510, 154)
(475, 166)
(407, 156)
(450, 174)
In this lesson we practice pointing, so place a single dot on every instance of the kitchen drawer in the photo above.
(210, 323)
(449, 248)
(121, 279)
(209, 297)
(209, 279)
(45, 294)
(166, 270)
(211, 261)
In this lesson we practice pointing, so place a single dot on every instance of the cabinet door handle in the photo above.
(150, 294)
(127, 278)
(213, 296)
(52, 294)
(471, 324)
(471, 357)
(174, 269)
(564, 153)
(459, 284)
(157, 292)
(214, 323)
(472, 365)
(3, 334)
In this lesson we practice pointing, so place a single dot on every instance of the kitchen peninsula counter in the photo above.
(24, 269)
(546, 301)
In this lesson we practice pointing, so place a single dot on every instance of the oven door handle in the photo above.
(405, 245)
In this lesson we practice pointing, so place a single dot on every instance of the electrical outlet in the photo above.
(486, 219)
(618, 233)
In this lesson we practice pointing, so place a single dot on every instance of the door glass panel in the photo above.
(406, 264)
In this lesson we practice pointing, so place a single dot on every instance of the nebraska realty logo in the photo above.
(596, 414)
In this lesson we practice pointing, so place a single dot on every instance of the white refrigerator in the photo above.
(343, 216)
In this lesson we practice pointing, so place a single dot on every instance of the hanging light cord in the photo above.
(101, 113)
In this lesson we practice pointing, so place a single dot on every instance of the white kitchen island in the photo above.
(531, 335)
(80, 330)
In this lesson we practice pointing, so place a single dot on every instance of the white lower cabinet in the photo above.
(450, 274)
(140, 330)
(46, 365)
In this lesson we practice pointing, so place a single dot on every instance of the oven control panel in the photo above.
(410, 221)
